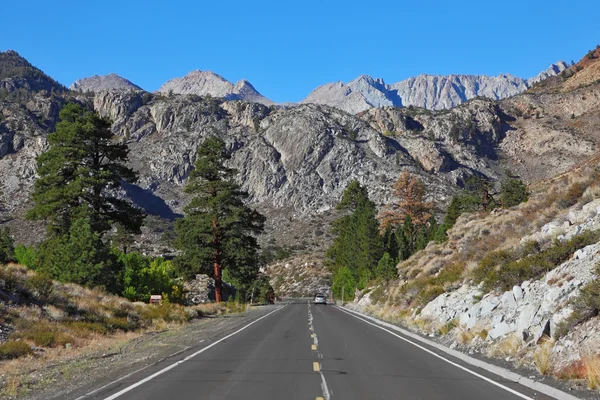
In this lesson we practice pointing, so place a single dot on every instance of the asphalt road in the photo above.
(302, 351)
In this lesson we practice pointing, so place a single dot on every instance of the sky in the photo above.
(288, 48)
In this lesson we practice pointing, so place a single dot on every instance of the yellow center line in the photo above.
(313, 347)
(316, 367)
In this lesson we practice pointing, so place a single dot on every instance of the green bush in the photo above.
(585, 306)
(14, 349)
(143, 276)
(43, 335)
(27, 256)
(502, 270)
(386, 268)
(513, 192)
(343, 278)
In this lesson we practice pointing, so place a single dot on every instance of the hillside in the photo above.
(521, 284)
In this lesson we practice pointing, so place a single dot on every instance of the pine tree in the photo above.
(386, 268)
(357, 244)
(79, 174)
(7, 246)
(513, 192)
(218, 230)
(409, 200)
(80, 256)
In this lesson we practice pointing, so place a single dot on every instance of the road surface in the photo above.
(303, 351)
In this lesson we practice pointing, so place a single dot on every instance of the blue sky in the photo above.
(286, 49)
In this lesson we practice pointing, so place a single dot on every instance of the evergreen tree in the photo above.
(7, 246)
(513, 192)
(357, 244)
(218, 230)
(343, 278)
(386, 268)
(390, 243)
(79, 174)
(81, 257)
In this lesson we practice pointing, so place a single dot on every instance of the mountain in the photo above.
(296, 161)
(17, 75)
(552, 70)
(97, 83)
(432, 92)
(202, 83)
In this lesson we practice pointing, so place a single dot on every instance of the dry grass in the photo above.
(542, 357)
(592, 368)
(509, 346)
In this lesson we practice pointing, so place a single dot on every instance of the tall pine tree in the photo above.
(79, 175)
(218, 231)
(357, 246)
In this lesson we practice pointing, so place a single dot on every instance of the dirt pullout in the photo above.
(83, 374)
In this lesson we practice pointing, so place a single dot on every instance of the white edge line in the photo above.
(502, 372)
(162, 371)
(134, 372)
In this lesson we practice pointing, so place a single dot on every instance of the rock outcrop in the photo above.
(202, 83)
(98, 83)
(433, 92)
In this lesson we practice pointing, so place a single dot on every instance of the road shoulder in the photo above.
(75, 378)
(466, 360)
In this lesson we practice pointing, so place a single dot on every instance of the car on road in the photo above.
(320, 299)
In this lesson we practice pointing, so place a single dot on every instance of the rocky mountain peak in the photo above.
(16, 73)
(203, 83)
(97, 83)
(434, 92)
(552, 70)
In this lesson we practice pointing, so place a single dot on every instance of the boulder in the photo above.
(518, 293)
(501, 329)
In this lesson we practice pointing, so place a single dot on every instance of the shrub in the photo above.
(513, 192)
(573, 194)
(14, 349)
(9, 280)
(7, 248)
(26, 256)
(143, 277)
(585, 306)
(40, 285)
(501, 270)
(43, 335)
(429, 294)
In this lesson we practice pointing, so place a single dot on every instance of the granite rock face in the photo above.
(98, 83)
(202, 83)
(433, 92)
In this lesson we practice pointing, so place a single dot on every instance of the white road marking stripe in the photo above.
(440, 357)
(162, 371)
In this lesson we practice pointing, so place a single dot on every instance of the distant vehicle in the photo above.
(320, 299)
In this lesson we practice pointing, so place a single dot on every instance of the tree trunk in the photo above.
(217, 262)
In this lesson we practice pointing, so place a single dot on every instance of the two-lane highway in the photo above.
(302, 351)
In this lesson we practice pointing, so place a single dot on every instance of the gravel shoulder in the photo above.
(82, 374)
